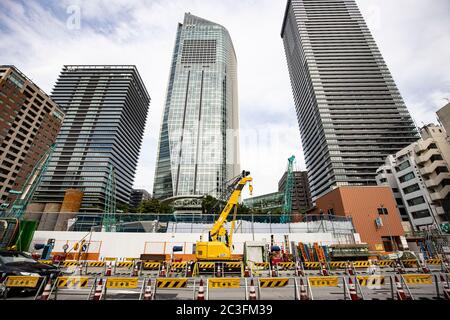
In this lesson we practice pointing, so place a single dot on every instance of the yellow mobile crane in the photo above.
(219, 244)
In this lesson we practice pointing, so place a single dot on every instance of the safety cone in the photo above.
(352, 290)
(401, 295)
(46, 293)
(324, 270)
(135, 272)
(298, 270)
(424, 266)
(148, 291)
(350, 270)
(445, 287)
(189, 269)
(162, 273)
(246, 272)
(80, 271)
(303, 293)
(201, 291)
(219, 271)
(399, 268)
(98, 290)
(252, 292)
(274, 271)
(108, 271)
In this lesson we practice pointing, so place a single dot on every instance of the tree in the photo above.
(153, 206)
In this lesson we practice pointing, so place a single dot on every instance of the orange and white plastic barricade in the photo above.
(24, 282)
(172, 287)
(281, 288)
(232, 287)
(71, 285)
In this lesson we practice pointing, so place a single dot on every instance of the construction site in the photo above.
(227, 256)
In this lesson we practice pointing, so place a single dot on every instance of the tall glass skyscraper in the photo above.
(349, 110)
(199, 146)
(106, 109)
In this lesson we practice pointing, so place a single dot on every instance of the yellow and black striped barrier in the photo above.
(434, 261)
(286, 265)
(386, 263)
(323, 281)
(124, 264)
(264, 265)
(151, 265)
(178, 265)
(206, 265)
(338, 264)
(273, 282)
(311, 265)
(410, 263)
(69, 263)
(130, 259)
(72, 282)
(21, 281)
(45, 261)
(96, 264)
(368, 281)
(361, 264)
(418, 278)
(233, 265)
(171, 283)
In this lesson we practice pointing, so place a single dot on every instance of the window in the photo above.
(382, 211)
(420, 214)
(403, 166)
(407, 177)
(399, 201)
(412, 188)
(416, 201)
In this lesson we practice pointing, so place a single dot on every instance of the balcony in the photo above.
(423, 145)
(431, 168)
(435, 181)
(440, 195)
(427, 155)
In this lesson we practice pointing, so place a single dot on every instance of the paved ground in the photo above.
(382, 292)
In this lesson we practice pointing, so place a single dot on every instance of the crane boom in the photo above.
(219, 244)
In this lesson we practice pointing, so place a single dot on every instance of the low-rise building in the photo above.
(267, 203)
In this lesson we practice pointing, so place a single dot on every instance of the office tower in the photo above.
(106, 110)
(198, 146)
(137, 196)
(29, 123)
(301, 196)
(349, 110)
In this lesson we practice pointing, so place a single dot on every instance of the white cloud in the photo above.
(414, 46)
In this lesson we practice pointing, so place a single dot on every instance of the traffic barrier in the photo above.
(96, 268)
(303, 293)
(201, 291)
(273, 282)
(124, 264)
(286, 265)
(247, 273)
(400, 292)
(338, 264)
(45, 261)
(69, 263)
(96, 264)
(311, 265)
(162, 272)
(434, 261)
(299, 272)
(259, 268)
(123, 268)
(371, 281)
(410, 263)
(21, 281)
(46, 293)
(329, 281)
(386, 263)
(418, 278)
(252, 291)
(445, 287)
(151, 265)
(352, 290)
(121, 283)
(98, 290)
(324, 270)
(171, 283)
(229, 283)
(350, 269)
(361, 264)
(148, 291)
(69, 283)
(108, 271)
(280, 284)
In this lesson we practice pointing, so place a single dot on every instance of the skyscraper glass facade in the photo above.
(349, 110)
(106, 110)
(199, 146)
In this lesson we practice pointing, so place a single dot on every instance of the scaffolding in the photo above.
(287, 207)
(109, 217)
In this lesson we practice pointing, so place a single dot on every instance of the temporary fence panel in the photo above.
(71, 286)
(280, 288)
(123, 286)
(326, 287)
(172, 288)
(422, 286)
(123, 267)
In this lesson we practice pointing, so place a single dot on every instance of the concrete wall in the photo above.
(134, 244)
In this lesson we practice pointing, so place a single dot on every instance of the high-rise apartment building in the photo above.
(29, 123)
(137, 196)
(198, 146)
(301, 196)
(349, 110)
(106, 110)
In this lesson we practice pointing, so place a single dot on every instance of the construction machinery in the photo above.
(15, 232)
(287, 207)
(219, 246)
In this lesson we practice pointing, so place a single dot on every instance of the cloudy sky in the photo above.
(39, 37)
